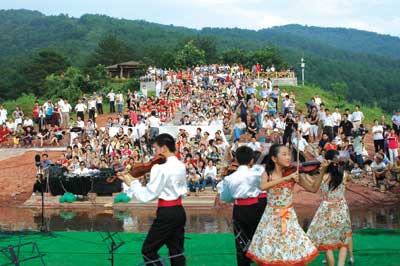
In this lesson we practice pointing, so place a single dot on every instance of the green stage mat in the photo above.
(374, 247)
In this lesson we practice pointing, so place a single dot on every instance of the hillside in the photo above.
(367, 62)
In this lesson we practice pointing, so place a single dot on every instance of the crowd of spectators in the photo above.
(224, 98)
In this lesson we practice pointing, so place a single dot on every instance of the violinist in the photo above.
(168, 184)
(279, 239)
(242, 188)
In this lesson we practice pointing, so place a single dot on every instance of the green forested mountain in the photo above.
(367, 63)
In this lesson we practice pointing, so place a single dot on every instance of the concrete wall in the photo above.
(281, 81)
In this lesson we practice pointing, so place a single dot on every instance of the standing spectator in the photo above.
(92, 109)
(120, 102)
(313, 117)
(377, 131)
(80, 109)
(337, 118)
(99, 103)
(18, 115)
(393, 142)
(111, 97)
(346, 126)
(35, 112)
(3, 114)
(154, 123)
(65, 111)
(357, 117)
(396, 122)
(48, 110)
(328, 124)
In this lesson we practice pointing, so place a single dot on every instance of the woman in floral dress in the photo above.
(279, 239)
(331, 227)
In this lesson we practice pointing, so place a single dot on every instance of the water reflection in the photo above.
(139, 220)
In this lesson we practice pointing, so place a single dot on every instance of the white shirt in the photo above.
(328, 121)
(242, 184)
(357, 116)
(300, 143)
(210, 172)
(3, 115)
(66, 108)
(254, 145)
(92, 104)
(305, 128)
(154, 122)
(167, 182)
(28, 122)
(79, 171)
(120, 98)
(378, 132)
(337, 117)
(111, 96)
(80, 107)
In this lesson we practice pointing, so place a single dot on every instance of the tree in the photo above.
(110, 50)
(189, 56)
(234, 56)
(44, 63)
(209, 45)
(341, 91)
(69, 85)
(267, 56)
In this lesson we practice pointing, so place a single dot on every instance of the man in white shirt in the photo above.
(82, 169)
(120, 102)
(65, 111)
(168, 184)
(299, 144)
(254, 144)
(396, 122)
(357, 117)
(92, 108)
(243, 188)
(328, 124)
(80, 109)
(28, 122)
(337, 118)
(154, 124)
(111, 97)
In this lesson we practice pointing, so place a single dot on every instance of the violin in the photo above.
(138, 169)
(230, 169)
(309, 167)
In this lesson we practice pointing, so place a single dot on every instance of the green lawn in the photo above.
(372, 247)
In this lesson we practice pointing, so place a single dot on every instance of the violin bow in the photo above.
(298, 152)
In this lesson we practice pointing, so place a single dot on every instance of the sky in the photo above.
(380, 16)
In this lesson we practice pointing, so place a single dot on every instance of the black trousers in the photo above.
(379, 144)
(99, 107)
(245, 221)
(167, 229)
(92, 113)
(112, 107)
(81, 115)
(328, 130)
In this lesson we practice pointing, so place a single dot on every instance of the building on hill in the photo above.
(124, 70)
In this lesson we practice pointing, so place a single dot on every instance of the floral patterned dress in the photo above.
(331, 225)
(279, 239)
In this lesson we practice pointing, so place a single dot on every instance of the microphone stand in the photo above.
(40, 178)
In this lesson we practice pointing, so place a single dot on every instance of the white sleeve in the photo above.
(153, 189)
(224, 191)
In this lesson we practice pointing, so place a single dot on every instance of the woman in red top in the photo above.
(393, 143)
(4, 133)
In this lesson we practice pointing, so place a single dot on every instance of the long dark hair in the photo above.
(335, 169)
(273, 152)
